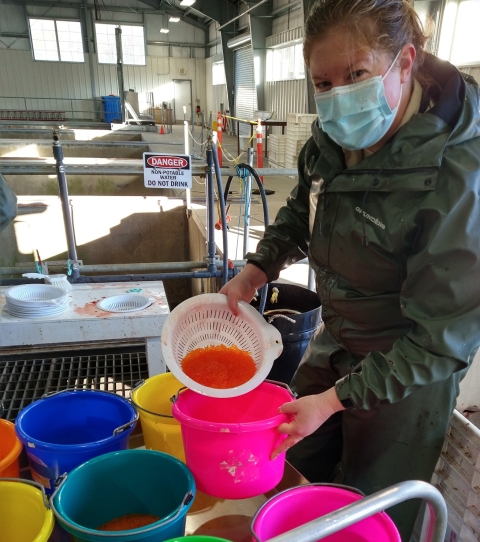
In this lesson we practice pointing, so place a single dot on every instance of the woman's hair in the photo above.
(383, 25)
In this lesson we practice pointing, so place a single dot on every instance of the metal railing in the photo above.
(23, 108)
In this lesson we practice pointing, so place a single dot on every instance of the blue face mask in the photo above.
(356, 116)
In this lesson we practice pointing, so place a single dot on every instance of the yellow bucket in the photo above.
(24, 513)
(161, 431)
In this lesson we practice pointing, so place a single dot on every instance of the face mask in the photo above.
(357, 116)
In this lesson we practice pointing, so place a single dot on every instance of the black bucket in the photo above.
(303, 307)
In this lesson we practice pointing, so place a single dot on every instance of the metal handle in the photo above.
(30, 483)
(282, 385)
(137, 386)
(52, 393)
(174, 397)
(320, 528)
(126, 426)
(185, 501)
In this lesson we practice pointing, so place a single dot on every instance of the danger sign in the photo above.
(167, 170)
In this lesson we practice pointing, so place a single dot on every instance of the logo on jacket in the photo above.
(376, 221)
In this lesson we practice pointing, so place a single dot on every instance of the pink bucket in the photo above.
(299, 505)
(228, 442)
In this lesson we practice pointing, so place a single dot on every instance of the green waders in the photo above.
(372, 449)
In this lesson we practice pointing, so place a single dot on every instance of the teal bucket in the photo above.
(125, 482)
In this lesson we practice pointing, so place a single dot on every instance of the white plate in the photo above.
(125, 303)
(37, 314)
(34, 295)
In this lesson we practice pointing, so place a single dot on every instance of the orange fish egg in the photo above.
(128, 521)
(219, 366)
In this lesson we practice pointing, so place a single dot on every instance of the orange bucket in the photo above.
(10, 448)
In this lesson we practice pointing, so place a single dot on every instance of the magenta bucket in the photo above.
(228, 442)
(299, 505)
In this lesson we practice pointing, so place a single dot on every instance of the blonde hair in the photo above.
(383, 25)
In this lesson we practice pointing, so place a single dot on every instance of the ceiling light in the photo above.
(174, 19)
(164, 30)
(187, 2)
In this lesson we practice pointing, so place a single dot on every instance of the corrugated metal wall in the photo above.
(285, 96)
(65, 81)
(245, 90)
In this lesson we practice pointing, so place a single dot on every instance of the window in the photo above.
(285, 63)
(218, 73)
(458, 43)
(56, 40)
(133, 44)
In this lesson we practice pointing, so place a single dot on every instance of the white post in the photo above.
(187, 152)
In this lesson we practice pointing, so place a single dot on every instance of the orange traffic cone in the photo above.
(162, 131)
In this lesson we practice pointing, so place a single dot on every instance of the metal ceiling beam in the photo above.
(77, 5)
(242, 14)
(218, 11)
(152, 3)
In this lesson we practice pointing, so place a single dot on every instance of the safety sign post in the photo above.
(167, 170)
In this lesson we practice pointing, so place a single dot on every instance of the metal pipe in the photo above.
(79, 166)
(223, 212)
(63, 189)
(211, 246)
(288, 7)
(364, 508)
(118, 42)
(248, 195)
(242, 14)
(124, 267)
(139, 277)
(187, 153)
(88, 30)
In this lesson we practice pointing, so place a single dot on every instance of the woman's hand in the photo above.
(244, 286)
(308, 413)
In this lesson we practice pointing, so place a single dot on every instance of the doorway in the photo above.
(182, 96)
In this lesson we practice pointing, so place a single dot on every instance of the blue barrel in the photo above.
(112, 108)
(62, 431)
(127, 482)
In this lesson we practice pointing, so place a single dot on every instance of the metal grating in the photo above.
(24, 379)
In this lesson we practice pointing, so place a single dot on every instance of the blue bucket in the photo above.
(63, 430)
(126, 482)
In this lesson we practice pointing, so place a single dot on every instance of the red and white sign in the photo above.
(167, 170)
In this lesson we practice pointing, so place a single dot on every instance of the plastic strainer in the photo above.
(205, 320)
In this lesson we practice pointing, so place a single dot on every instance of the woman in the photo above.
(387, 209)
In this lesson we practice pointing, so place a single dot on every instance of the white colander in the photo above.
(206, 320)
(125, 303)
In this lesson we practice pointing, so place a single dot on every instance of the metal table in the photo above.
(84, 322)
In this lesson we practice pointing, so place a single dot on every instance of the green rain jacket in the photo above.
(395, 244)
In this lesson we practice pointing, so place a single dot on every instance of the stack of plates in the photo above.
(34, 300)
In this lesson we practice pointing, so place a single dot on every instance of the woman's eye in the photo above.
(323, 86)
(357, 74)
